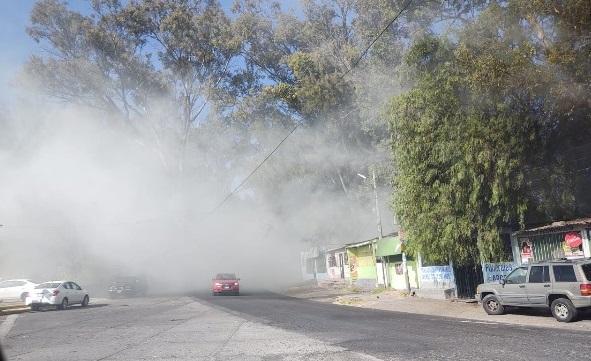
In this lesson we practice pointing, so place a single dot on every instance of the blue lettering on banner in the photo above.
(494, 272)
(436, 277)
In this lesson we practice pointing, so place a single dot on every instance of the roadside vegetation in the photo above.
(474, 115)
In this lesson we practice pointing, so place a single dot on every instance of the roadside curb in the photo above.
(14, 311)
(13, 308)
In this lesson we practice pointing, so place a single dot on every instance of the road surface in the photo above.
(267, 326)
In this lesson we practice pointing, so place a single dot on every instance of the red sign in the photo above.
(573, 239)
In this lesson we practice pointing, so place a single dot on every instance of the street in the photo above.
(268, 326)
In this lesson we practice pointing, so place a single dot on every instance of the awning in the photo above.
(389, 246)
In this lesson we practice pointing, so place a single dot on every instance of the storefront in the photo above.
(337, 263)
(565, 239)
(389, 249)
(362, 264)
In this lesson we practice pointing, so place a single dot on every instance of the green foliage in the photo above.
(459, 149)
(487, 127)
(482, 140)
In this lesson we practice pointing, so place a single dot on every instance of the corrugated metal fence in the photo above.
(547, 246)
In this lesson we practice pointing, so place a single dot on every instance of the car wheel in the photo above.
(85, 301)
(492, 305)
(34, 308)
(563, 310)
(64, 305)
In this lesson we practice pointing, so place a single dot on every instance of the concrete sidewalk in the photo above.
(390, 300)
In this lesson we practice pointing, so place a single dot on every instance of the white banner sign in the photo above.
(437, 277)
(494, 272)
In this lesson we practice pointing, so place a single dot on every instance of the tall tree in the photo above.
(483, 139)
(91, 60)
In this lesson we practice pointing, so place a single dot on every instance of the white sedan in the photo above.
(57, 293)
(15, 289)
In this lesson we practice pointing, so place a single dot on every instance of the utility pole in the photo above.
(375, 193)
(378, 223)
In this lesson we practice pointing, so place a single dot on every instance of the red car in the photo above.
(225, 283)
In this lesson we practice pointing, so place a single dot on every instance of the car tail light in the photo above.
(585, 289)
(56, 292)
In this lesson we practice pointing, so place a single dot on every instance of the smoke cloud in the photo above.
(84, 198)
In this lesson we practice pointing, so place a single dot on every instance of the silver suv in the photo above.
(563, 285)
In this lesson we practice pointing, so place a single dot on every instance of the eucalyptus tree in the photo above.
(91, 60)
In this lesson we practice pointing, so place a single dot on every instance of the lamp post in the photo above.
(379, 223)
(375, 193)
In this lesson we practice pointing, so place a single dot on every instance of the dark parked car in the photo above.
(225, 283)
(128, 287)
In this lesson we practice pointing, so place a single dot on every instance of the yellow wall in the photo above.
(397, 281)
(361, 263)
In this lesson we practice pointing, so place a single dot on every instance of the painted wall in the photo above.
(495, 272)
(313, 266)
(335, 263)
(396, 273)
(438, 277)
(362, 266)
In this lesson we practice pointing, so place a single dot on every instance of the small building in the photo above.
(564, 239)
(337, 264)
(390, 250)
(313, 264)
(362, 264)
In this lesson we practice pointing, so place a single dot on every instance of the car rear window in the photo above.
(587, 270)
(564, 274)
(48, 285)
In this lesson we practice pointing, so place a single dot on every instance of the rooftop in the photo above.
(559, 226)
(363, 243)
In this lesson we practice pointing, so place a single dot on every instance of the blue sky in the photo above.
(15, 45)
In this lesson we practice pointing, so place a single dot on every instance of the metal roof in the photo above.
(554, 227)
(334, 249)
(359, 244)
(373, 240)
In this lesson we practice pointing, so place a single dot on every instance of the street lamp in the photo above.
(379, 220)
(375, 193)
(379, 223)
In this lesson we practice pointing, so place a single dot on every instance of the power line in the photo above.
(353, 65)
(254, 170)
(356, 62)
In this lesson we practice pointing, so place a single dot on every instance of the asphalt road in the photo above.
(267, 326)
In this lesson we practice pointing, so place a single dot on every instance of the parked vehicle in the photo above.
(562, 285)
(128, 287)
(17, 289)
(225, 283)
(62, 294)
